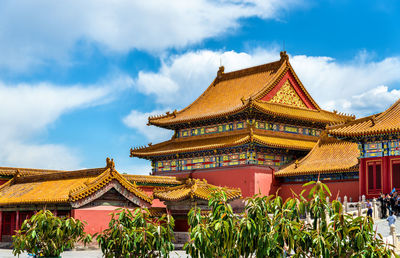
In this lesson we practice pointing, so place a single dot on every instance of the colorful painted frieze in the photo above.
(224, 160)
(239, 125)
(379, 148)
(218, 128)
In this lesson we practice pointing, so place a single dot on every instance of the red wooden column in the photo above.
(387, 176)
(1, 226)
(361, 178)
(17, 226)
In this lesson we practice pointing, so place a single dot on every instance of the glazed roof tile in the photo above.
(194, 189)
(233, 92)
(207, 142)
(305, 114)
(224, 95)
(387, 122)
(11, 171)
(328, 156)
(165, 180)
(61, 187)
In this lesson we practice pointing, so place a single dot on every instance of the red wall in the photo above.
(97, 218)
(249, 178)
(338, 188)
(149, 191)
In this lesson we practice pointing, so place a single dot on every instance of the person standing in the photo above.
(369, 207)
(382, 200)
(391, 219)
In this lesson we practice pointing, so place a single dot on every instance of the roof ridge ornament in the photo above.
(17, 174)
(284, 56)
(110, 163)
(373, 120)
(220, 72)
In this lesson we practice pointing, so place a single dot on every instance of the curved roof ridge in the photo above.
(250, 70)
(221, 77)
(382, 115)
(93, 172)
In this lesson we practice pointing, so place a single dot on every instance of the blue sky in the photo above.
(78, 79)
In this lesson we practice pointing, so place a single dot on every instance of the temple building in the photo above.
(92, 195)
(255, 130)
(378, 140)
(244, 127)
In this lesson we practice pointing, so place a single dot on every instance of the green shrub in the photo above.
(270, 227)
(136, 234)
(47, 235)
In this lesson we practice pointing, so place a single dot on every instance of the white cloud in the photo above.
(181, 79)
(28, 109)
(138, 120)
(352, 87)
(36, 32)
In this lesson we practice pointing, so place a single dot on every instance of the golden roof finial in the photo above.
(110, 163)
(296, 163)
(284, 56)
(220, 71)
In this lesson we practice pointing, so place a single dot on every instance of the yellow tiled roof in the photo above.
(166, 180)
(11, 171)
(306, 114)
(224, 95)
(231, 139)
(42, 189)
(233, 92)
(193, 188)
(61, 187)
(328, 156)
(102, 180)
(387, 122)
(284, 143)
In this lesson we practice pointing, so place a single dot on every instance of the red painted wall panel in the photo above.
(337, 188)
(97, 218)
(248, 178)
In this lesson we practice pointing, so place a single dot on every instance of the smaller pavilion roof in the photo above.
(387, 122)
(63, 187)
(194, 189)
(224, 140)
(163, 180)
(328, 156)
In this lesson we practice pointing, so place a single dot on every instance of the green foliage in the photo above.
(213, 235)
(47, 235)
(270, 227)
(136, 234)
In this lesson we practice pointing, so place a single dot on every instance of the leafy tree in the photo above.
(270, 227)
(213, 235)
(136, 234)
(47, 235)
